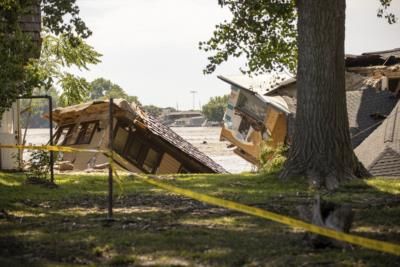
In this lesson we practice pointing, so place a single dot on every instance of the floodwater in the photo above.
(206, 139)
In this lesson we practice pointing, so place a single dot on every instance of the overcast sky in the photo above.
(150, 47)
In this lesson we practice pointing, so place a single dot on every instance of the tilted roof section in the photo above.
(380, 152)
(164, 132)
(366, 109)
(279, 102)
(378, 58)
(260, 84)
(385, 53)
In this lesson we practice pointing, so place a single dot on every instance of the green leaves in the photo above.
(153, 110)
(55, 17)
(102, 88)
(384, 12)
(19, 73)
(75, 90)
(215, 108)
(50, 71)
(67, 54)
(264, 31)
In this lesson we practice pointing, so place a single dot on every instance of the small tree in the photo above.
(38, 167)
(215, 108)
(102, 88)
(153, 110)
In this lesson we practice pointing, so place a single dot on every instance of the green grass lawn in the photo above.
(63, 226)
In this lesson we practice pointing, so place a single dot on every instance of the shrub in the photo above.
(38, 167)
(272, 158)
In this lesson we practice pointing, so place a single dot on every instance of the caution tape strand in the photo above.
(356, 240)
(54, 148)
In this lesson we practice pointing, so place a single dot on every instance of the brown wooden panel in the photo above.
(168, 165)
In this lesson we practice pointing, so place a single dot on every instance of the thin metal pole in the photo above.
(50, 99)
(110, 172)
(51, 138)
(18, 132)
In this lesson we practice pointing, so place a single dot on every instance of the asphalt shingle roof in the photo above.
(177, 141)
(380, 152)
(366, 109)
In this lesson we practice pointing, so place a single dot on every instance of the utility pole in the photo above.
(194, 98)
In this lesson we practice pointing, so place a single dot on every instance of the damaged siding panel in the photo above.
(271, 119)
(168, 165)
(280, 131)
(276, 126)
(120, 140)
(246, 156)
(249, 148)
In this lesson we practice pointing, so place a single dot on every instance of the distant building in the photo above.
(171, 117)
(189, 122)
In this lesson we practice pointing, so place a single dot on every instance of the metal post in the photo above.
(18, 133)
(51, 138)
(194, 103)
(110, 172)
(50, 100)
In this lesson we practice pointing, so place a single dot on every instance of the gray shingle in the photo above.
(380, 152)
(177, 141)
(366, 109)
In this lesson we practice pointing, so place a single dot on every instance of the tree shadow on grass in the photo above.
(162, 229)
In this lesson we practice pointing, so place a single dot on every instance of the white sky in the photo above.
(150, 47)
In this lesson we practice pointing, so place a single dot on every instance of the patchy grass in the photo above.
(65, 227)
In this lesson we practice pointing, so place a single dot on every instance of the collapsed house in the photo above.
(263, 110)
(251, 117)
(145, 145)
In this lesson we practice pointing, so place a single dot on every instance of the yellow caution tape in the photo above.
(55, 148)
(357, 240)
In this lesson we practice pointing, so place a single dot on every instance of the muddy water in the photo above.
(206, 139)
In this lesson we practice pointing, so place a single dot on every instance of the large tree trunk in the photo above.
(321, 147)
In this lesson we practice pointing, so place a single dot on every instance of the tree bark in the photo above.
(321, 148)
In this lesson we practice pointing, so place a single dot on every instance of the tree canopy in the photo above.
(153, 110)
(215, 108)
(51, 69)
(263, 31)
(59, 17)
(102, 88)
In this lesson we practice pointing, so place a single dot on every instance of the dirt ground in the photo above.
(66, 226)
